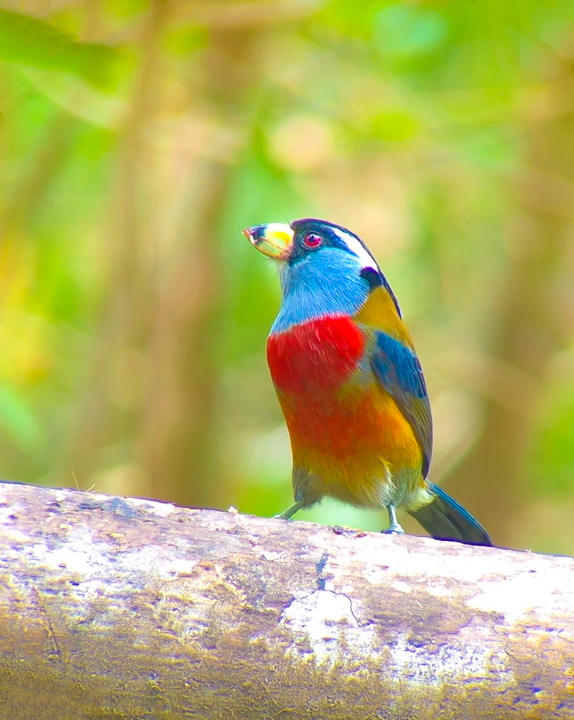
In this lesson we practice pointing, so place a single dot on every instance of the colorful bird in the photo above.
(349, 382)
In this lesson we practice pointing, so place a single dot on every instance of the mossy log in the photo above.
(124, 608)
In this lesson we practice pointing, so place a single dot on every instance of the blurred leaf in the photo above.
(552, 456)
(184, 40)
(125, 9)
(394, 126)
(28, 41)
(402, 30)
(352, 19)
(18, 421)
(77, 97)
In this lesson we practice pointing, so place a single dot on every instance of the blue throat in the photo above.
(325, 283)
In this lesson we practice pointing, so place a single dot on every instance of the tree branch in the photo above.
(126, 608)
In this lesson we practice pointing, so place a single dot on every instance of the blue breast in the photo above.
(328, 282)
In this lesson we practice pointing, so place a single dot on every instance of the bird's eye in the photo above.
(312, 240)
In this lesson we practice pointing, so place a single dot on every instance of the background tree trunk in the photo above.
(125, 608)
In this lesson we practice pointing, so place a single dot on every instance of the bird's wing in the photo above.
(398, 369)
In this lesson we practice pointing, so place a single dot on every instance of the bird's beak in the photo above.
(274, 239)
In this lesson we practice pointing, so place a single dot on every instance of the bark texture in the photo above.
(122, 608)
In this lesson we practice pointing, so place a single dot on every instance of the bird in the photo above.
(350, 384)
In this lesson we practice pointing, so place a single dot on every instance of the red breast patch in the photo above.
(316, 356)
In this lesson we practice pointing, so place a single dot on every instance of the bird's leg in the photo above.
(394, 527)
(291, 510)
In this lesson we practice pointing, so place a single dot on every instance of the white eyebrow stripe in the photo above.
(357, 248)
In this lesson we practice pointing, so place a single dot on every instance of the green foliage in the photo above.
(136, 145)
(552, 456)
(18, 421)
(31, 42)
(402, 31)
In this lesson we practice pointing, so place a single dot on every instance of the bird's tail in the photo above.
(445, 519)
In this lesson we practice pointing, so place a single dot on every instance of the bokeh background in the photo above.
(138, 138)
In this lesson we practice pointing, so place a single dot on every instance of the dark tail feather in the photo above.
(445, 519)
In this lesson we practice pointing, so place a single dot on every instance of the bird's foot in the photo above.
(393, 529)
(394, 526)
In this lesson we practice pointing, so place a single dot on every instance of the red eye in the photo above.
(312, 240)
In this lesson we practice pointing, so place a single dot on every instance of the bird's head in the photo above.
(309, 241)
(324, 259)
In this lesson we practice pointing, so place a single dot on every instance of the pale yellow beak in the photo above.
(274, 239)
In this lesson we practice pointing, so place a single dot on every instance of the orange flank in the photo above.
(350, 435)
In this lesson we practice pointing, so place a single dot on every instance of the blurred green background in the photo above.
(137, 139)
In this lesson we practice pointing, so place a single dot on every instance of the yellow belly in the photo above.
(355, 446)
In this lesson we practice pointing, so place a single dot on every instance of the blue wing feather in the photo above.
(399, 371)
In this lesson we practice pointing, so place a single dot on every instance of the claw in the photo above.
(394, 526)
